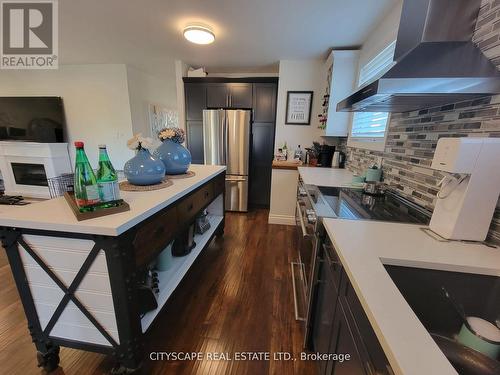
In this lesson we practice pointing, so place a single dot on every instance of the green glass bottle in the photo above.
(86, 189)
(107, 178)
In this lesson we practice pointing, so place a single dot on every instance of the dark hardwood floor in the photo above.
(237, 297)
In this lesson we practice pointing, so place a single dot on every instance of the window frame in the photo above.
(371, 143)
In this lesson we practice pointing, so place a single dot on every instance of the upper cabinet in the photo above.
(341, 69)
(264, 102)
(196, 101)
(217, 95)
(229, 95)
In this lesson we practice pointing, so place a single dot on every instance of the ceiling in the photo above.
(251, 35)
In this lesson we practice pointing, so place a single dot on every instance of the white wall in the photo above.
(383, 34)
(95, 101)
(145, 89)
(181, 69)
(299, 75)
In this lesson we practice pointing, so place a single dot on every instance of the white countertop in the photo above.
(364, 246)
(336, 177)
(56, 215)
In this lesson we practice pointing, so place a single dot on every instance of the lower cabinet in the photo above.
(325, 311)
(343, 342)
(340, 324)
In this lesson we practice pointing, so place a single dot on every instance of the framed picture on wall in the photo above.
(298, 107)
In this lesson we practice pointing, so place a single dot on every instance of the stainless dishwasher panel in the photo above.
(236, 193)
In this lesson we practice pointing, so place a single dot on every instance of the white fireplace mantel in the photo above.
(53, 156)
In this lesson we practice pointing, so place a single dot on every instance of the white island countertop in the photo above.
(365, 246)
(335, 177)
(56, 215)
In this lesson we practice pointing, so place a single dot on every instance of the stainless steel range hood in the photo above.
(436, 62)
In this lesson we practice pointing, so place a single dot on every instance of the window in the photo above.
(369, 128)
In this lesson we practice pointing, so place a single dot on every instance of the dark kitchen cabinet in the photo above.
(261, 161)
(325, 310)
(264, 102)
(195, 141)
(257, 94)
(340, 324)
(229, 95)
(196, 101)
(263, 128)
(342, 342)
(240, 95)
(218, 95)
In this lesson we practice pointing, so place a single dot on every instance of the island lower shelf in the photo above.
(169, 279)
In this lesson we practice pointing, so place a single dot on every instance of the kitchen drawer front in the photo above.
(219, 184)
(154, 235)
(334, 262)
(188, 208)
(192, 204)
(205, 195)
(368, 341)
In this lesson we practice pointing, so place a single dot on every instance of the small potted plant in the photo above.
(143, 168)
(171, 152)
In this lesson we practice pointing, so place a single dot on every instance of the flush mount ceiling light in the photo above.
(199, 34)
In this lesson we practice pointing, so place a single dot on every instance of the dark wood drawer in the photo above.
(205, 195)
(187, 209)
(219, 184)
(192, 204)
(154, 235)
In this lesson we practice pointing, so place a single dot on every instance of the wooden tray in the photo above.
(70, 198)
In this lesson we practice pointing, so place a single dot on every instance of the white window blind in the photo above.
(373, 124)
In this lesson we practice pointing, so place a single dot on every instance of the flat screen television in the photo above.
(32, 119)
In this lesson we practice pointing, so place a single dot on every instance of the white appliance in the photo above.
(465, 204)
(336, 159)
(26, 166)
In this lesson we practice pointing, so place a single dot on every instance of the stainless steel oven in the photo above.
(302, 267)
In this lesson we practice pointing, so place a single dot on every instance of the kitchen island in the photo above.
(78, 281)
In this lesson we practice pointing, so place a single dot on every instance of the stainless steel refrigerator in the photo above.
(226, 140)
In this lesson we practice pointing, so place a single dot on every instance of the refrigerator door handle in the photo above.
(236, 178)
(226, 137)
(222, 131)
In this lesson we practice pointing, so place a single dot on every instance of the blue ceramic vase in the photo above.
(144, 169)
(175, 156)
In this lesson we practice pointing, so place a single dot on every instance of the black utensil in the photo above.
(458, 308)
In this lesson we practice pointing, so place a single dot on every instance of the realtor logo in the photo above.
(29, 34)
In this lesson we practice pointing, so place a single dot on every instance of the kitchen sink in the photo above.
(478, 294)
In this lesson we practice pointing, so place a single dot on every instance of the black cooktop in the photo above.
(354, 204)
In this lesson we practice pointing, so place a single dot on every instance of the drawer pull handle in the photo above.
(190, 207)
(206, 194)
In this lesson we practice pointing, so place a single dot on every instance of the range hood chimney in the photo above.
(436, 62)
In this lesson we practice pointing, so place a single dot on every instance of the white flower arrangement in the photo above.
(138, 142)
(174, 134)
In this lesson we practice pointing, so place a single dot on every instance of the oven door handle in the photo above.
(301, 221)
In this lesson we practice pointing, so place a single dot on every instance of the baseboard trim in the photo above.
(281, 219)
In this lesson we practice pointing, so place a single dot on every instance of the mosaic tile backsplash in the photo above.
(412, 136)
